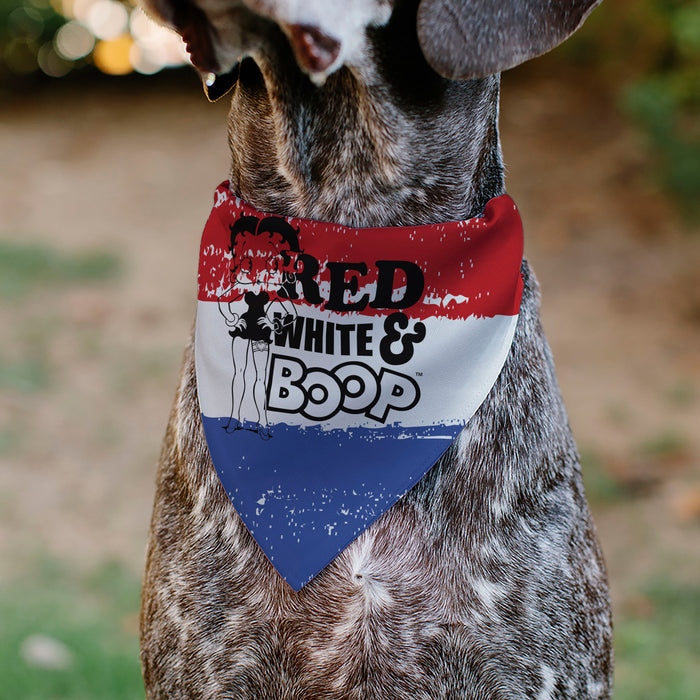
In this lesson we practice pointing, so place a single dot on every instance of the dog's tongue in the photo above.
(315, 51)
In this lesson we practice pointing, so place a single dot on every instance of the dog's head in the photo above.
(460, 39)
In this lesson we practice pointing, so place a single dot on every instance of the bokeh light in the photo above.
(58, 36)
(52, 63)
(20, 55)
(112, 55)
(107, 19)
(74, 40)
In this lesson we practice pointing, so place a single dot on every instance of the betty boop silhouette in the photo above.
(263, 255)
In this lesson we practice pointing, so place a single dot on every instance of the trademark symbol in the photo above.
(419, 374)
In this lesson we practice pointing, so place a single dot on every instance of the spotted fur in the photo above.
(486, 580)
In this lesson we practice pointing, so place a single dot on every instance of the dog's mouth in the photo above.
(315, 52)
(216, 86)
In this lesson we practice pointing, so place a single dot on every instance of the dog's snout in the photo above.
(315, 51)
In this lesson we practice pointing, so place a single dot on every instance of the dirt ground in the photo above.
(132, 171)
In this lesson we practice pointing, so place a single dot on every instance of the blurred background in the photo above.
(109, 155)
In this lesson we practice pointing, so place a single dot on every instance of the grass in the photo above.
(8, 440)
(658, 649)
(602, 487)
(645, 468)
(665, 445)
(682, 394)
(93, 617)
(26, 267)
(24, 376)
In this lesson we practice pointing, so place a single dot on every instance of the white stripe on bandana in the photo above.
(336, 365)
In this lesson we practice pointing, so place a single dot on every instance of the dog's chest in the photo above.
(488, 563)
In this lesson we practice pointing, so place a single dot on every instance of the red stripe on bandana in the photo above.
(453, 270)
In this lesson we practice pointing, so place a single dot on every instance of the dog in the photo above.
(486, 579)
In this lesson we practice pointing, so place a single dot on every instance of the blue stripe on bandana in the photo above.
(314, 511)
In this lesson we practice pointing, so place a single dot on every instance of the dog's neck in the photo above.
(389, 143)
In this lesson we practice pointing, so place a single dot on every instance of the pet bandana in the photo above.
(335, 365)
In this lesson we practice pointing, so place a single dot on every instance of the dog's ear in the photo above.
(472, 38)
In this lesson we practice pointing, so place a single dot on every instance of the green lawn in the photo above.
(94, 618)
(658, 648)
(26, 267)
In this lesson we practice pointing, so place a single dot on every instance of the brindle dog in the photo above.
(486, 580)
